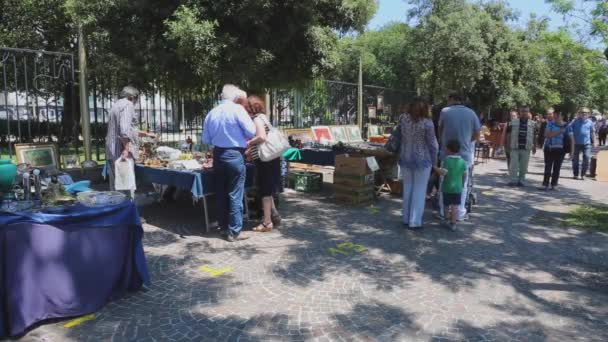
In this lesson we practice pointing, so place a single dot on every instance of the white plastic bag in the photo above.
(124, 174)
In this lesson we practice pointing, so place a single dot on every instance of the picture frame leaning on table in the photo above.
(43, 155)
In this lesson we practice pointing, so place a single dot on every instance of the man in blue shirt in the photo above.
(583, 131)
(227, 128)
(458, 122)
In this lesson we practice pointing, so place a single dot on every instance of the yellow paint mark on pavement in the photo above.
(79, 320)
(373, 210)
(347, 248)
(215, 272)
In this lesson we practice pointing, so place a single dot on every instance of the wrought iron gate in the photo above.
(38, 101)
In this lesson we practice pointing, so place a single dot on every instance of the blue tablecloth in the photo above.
(318, 157)
(68, 264)
(199, 183)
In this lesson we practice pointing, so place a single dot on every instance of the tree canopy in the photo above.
(473, 47)
(259, 43)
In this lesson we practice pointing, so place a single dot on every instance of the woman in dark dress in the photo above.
(268, 172)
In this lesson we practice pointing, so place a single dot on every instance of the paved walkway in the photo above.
(500, 277)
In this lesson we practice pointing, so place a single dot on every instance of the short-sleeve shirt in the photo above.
(227, 126)
(459, 123)
(452, 182)
(582, 131)
(557, 141)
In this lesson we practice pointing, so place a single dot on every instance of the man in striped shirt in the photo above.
(122, 140)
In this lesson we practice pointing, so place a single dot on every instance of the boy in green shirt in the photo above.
(454, 170)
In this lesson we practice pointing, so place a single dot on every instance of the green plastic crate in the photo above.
(307, 181)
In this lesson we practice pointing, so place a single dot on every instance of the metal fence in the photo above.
(36, 100)
(39, 104)
(324, 102)
(172, 114)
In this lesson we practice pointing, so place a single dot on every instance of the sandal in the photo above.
(263, 228)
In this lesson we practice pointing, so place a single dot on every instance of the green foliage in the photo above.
(385, 54)
(590, 217)
(191, 43)
(596, 15)
(315, 100)
(473, 48)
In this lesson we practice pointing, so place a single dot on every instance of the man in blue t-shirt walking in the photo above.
(460, 123)
(582, 130)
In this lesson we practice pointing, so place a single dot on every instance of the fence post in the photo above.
(360, 97)
(84, 101)
(269, 107)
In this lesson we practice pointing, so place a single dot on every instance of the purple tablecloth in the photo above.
(69, 264)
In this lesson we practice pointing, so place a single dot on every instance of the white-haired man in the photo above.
(122, 140)
(227, 128)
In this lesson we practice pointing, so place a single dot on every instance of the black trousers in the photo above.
(553, 165)
(602, 138)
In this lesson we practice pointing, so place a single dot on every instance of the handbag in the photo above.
(275, 145)
(393, 145)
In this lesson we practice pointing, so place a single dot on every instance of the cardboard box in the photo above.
(352, 165)
(356, 198)
(352, 195)
(349, 190)
(354, 180)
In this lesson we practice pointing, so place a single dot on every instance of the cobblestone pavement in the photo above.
(500, 277)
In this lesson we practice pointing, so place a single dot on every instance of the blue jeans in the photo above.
(230, 174)
(586, 150)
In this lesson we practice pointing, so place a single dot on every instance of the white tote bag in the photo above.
(124, 174)
(275, 145)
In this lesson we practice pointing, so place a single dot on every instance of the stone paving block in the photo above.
(500, 277)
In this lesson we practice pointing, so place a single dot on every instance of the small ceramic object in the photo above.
(8, 172)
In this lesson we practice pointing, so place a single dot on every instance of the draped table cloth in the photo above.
(68, 264)
(199, 183)
(321, 157)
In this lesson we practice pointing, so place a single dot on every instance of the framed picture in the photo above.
(338, 133)
(371, 112)
(354, 134)
(304, 135)
(322, 134)
(38, 155)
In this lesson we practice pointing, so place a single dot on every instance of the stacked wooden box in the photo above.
(353, 180)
